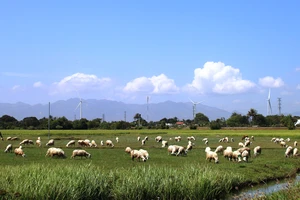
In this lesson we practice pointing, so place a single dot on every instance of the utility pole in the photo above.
(279, 105)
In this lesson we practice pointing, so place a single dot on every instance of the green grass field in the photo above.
(269, 165)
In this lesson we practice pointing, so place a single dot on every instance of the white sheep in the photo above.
(241, 144)
(227, 153)
(81, 153)
(53, 151)
(295, 152)
(138, 155)
(283, 144)
(245, 155)
(19, 152)
(70, 143)
(189, 147)
(143, 142)
(295, 143)
(171, 149)
(128, 149)
(288, 151)
(191, 138)
(219, 149)
(247, 143)
(101, 143)
(38, 141)
(146, 138)
(164, 143)
(9, 148)
(138, 138)
(117, 139)
(93, 143)
(257, 150)
(177, 139)
(50, 143)
(236, 156)
(26, 141)
(181, 151)
(109, 143)
(210, 155)
(158, 139)
(144, 153)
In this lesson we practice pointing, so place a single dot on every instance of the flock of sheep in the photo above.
(241, 154)
(54, 151)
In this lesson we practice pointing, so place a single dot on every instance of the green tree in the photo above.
(236, 120)
(30, 122)
(201, 119)
(251, 115)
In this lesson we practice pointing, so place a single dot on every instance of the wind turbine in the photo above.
(80, 106)
(269, 107)
(194, 107)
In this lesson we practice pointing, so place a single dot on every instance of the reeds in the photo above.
(85, 181)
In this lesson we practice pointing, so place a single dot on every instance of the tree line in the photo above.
(252, 118)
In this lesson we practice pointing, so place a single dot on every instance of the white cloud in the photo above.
(155, 85)
(16, 87)
(80, 81)
(270, 82)
(38, 84)
(218, 78)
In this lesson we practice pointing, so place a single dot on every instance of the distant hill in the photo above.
(111, 110)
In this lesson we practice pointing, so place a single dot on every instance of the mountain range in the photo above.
(110, 110)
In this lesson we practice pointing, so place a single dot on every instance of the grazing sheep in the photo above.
(177, 139)
(288, 151)
(38, 142)
(189, 147)
(241, 150)
(26, 141)
(245, 136)
(204, 139)
(245, 155)
(84, 143)
(8, 148)
(102, 143)
(53, 151)
(191, 138)
(210, 155)
(93, 143)
(144, 153)
(158, 139)
(146, 138)
(219, 149)
(164, 143)
(283, 144)
(138, 155)
(295, 143)
(232, 140)
(138, 138)
(8, 138)
(109, 143)
(257, 150)
(206, 142)
(181, 151)
(19, 152)
(227, 153)
(71, 143)
(14, 138)
(241, 144)
(81, 153)
(207, 149)
(128, 149)
(143, 142)
(50, 143)
(252, 137)
(295, 152)
(117, 139)
(236, 156)
(287, 139)
(176, 150)
(247, 143)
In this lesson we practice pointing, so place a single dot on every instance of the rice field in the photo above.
(111, 174)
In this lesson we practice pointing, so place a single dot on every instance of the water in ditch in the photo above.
(264, 189)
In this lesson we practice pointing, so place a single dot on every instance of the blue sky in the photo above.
(227, 54)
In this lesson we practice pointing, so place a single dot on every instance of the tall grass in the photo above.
(40, 181)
